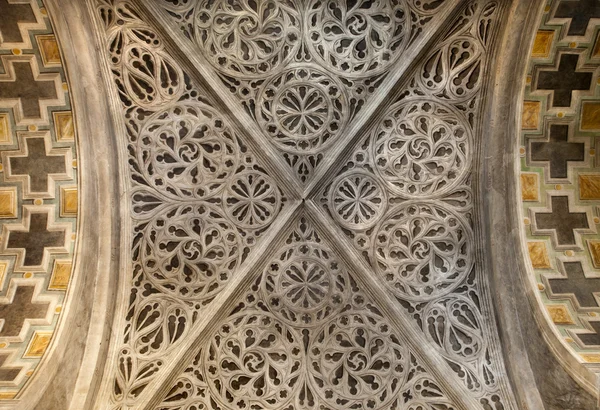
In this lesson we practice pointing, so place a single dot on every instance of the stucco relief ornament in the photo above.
(422, 251)
(303, 109)
(358, 38)
(247, 38)
(358, 200)
(422, 148)
(190, 252)
(254, 361)
(252, 200)
(358, 362)
(186, 151)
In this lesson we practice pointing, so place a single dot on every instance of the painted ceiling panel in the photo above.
(38, 192)
(559, 174)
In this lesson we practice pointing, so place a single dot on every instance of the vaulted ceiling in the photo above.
(288, 204)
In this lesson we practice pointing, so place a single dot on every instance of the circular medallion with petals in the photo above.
(187, 151)
(358, 200)
(252, 200)
(357, 362)
(189, 252)
(422, 148)
(254, 361)
(304, 291)
(357, 38)
(422, 251)
(247, 38)
(302, 109)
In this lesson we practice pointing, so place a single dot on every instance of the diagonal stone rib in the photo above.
(376, 105)
(205, 76)
(177, 361)
(362, 273)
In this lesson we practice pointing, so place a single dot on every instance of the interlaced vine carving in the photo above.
(199, 198)
(302, 70)
(295, 353)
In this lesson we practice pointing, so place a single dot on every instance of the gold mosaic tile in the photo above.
(61, 273)
(39, 344)
(589, 187)
(596, 51)
(68, 202)
(560, 314)
(531, 115)
(591, 358)
(8, 395)
(5, 130)
(542, 44)
(3, 271)
(538, 253)
(590, 116)
(8, 202)
(594, 247)
(63, 126)
(530, 187)
(49, 50)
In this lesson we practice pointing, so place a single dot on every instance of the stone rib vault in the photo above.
(301, 184)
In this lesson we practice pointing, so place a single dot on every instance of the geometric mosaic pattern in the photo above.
(244, 291)
(560, 172)
(38, 190)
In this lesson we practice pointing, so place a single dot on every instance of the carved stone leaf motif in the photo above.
(306, 336)
(302, 70)
(404, 199)
(199, 198)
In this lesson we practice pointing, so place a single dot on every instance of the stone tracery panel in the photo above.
(200, 199)
(325, 58)
(306, 336)
(420, 241)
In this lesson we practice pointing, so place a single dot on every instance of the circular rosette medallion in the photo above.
(187, 151)
(254, 362)
(422, 148)
(356, 362)
(302, 109)
(190, 252)
(247, 38)
(422, 251)
(252, 200)
(357, 38)
(358, 200)
(305, 291)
